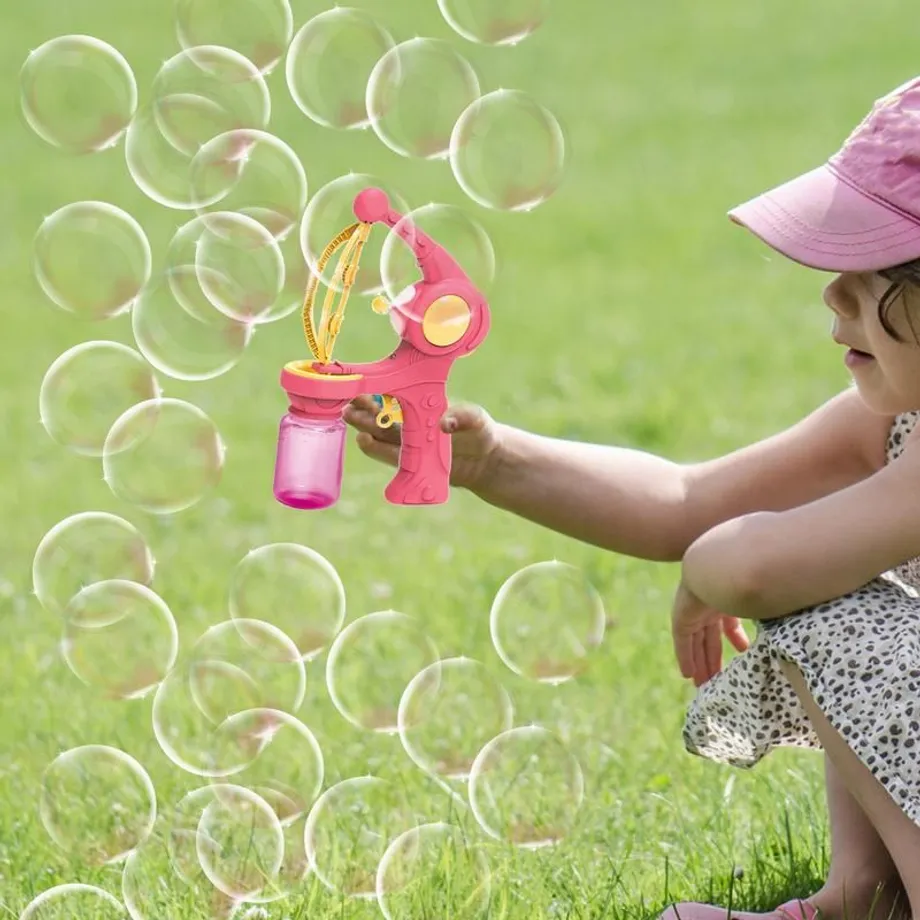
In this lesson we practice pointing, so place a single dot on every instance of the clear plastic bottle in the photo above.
(310, 461)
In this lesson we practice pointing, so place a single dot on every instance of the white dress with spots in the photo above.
(860, 655)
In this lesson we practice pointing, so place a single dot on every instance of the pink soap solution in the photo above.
(310, 461)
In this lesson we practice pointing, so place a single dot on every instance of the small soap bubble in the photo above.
(97, 804)
(487, 22)
(92, 233)
(234, 667)
(87, 388)
(181, 333)
(293, 587)
(405, 114)
(66, 902)
(370, 664)
(461, 235)
(546, 620)
(434, 865)
(507, 152)
(349, 829)
(240, 844)
(448, 711)
(120, 638)
(329, 62)
(328, 213)
(239, 266)
(260, 30)
(85, 549)
(205, 91)
(78, 93)
(163, 455)
(251, 172)
(526, 787)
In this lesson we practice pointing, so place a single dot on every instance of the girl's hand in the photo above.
(474, 440)
(697, 633)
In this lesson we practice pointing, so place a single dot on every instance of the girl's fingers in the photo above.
(384, 451)
(735, 634)
(684, 650)
(364, 419)
(712, 640)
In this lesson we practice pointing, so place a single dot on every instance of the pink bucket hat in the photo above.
(860, 211)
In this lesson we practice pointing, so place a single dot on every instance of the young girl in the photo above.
(813, 533)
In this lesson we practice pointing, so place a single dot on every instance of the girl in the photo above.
(813, 533)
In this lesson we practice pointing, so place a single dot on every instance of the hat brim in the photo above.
(822, 221)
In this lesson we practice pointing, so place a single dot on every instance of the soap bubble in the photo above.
(163, 455)
(252, 172)
(348, 831)
(239, 266)
(205, 91)
(293, 587)
(87, 388)
(329, 212)
(507, 151)
(78, 93)
(546, 620)
(284, 761)
(449, 710)
(462, 237)
(407, 113)
(66, 902)
(329, 63)
(370, 664)
(240, 843)
(488, 22)
(97, 803)
(526, 787)
(260, 30)
(120, 637)
(97, 234)
(433, 870)
(188, 339)
(235, 666)
(158, 169)
(84, 549)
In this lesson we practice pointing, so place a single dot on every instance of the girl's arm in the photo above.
(766, 564)
(642, 505)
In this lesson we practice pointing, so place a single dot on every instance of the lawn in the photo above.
(626, 309)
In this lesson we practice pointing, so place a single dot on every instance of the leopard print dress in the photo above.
(860, 656)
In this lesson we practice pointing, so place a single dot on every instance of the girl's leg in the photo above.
(900, 836)
(860, 863)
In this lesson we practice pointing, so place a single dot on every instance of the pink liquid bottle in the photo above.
(310, 460)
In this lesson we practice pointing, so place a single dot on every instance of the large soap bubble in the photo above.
(92, 233)
(86, 548)
(260, 30)
(329, 63)
(546, 621)
(526, 787)
(87, 388)
(78, 93)
(97, 803)
(507, 151)
(405, 114)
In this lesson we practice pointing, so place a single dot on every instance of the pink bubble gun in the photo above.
(438, 319)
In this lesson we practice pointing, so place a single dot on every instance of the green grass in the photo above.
(626, 310)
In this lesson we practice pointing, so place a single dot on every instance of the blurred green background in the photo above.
(626, 310)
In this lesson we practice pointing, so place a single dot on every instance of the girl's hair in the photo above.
(899, 276)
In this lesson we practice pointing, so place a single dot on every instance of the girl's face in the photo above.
(889, 383)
